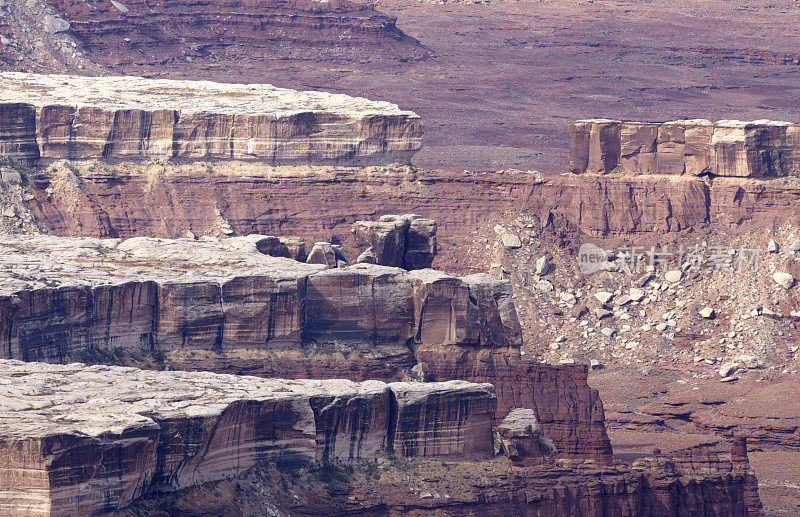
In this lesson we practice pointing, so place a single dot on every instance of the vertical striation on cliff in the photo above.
(762, 148)
(49, 117)
(78, 440)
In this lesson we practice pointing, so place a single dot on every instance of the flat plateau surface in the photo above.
(504, 78)
(191, 96)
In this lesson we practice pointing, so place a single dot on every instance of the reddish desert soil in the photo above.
(669, 414)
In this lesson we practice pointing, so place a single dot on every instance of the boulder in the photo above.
(542, 266)
(54, 24)
(511, 241)
(783, 279)
(636, 294)
(772, 246)
(728, 369)
(366, 257)
(322, 253)
(707, 312)
(10, 176)
(522, 437)
(603, 297)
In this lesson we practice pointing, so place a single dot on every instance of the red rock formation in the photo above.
(406, 241)
(570, 413)
(48, 117)
(495, 488)
(726, 148)
(78, 440)
(106, 201)
(520, 434)
(244, 312)
(243, 34)
(448, 419)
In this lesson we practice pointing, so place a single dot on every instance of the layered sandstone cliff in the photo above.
(763, 148)
(98, 199)
(65, 296)
(222, 305)
(79, 440)
(134, 34)
(46, 117)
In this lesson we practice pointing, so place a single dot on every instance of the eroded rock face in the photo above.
(79, 440)
(762, 148)
(522, 437)
(65, 298)
(118, 202)
(425, 413)
(223, 306)
(569, 412)
(134, 34)
(50, 117)
(407, 241)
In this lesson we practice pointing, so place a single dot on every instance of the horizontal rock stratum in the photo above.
(223, 306)
(47, 117)
(63, 296)
(762, 148)
(77, 440)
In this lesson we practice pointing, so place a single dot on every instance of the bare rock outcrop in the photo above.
(426, 413)
(522, 438)
(763, 148)
(134, 34)
(568, 410)
(50, 117)
(222, 305)
(306, 202)
(407, 241)
(79, 440)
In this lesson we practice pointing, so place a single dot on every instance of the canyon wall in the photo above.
(223, 306)
(48, 117)
(81, 440)
(134, 34)
(763, 148)
(97, 199)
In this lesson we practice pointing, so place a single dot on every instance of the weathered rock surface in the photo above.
(49, 117)
(520, 433)
(569, 412)
(447, 419)
(65, 297)
(135, 34)
(100, 200)
(79, 440)
(221, 305)
(763, 148)
(288, 247)
(407, 241)
(719, 484)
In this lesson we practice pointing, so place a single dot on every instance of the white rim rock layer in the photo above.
(51, 117)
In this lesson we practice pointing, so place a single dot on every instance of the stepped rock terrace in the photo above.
(48, 117)
(77, 440)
